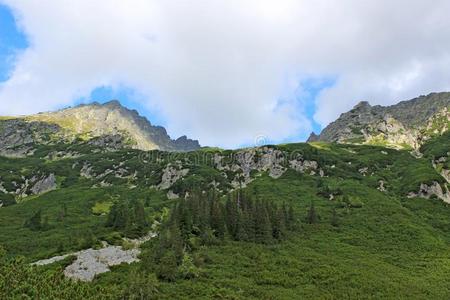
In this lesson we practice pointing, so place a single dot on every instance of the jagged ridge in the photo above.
(93, 121)
(406, 124)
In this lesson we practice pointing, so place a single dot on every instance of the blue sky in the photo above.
(259, 68)
(13, 42)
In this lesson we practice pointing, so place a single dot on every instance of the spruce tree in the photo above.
(263, 228)
(139, 215)
(291, 217)
(35, 222)
(334, 218)
(217, 219)
(311, 217)
(279, 228)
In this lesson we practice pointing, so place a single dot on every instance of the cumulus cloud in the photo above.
(227, 71)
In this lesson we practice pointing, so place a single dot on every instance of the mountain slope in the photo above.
(87, 122)
(365, 221)
(381, 244)
(404, 125)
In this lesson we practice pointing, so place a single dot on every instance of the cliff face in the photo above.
(404, 125)
(89, 122)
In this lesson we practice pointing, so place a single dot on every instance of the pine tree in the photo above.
(311, 217)
(217, 219)
(291, 217)
(279, 228)
(334, 219)
(35, 222)
(263, 228)
(176, 242)
(139, 215)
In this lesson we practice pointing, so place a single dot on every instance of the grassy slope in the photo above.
(391, 247)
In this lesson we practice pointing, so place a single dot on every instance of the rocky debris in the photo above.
(45, 184)
(363, 171)
(427, 191)
(54, 259)
(408, 123)
(416, 153)
(303, 165)
(86, 171)
(171, 174)
(139, 241)
(171, 195)
(446, 174)
(59, 155)
(109, 142)
(381, 186)
(2, 188)
(438, 165)
(91, 262)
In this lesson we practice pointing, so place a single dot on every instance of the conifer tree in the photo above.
(217, 219)
(311, 217)
(291, 217)
(334, 218)
(279, 228)
(35, 222)
(139, 215)
(263, 228)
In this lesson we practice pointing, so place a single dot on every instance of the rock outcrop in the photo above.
(427, 191)
(404, 125)
(17, 136)
(45, 184)
(171, 174)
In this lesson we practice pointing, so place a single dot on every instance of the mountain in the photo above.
(109, 124)
(407, 124)
(84, 215)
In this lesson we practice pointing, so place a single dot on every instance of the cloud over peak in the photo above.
(228, 71)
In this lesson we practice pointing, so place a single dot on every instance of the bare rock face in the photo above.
(44, 185)
(171, 174)
(17, 137)
(264, 159)
(427, 191)
(406, 124)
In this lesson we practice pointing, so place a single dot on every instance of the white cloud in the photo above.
(218, 69)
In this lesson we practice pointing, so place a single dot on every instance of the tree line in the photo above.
(204, 219)
(240, 217)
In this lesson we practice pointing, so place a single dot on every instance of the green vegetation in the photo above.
(302, 235)
(102, 207)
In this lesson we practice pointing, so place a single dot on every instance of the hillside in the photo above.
(109, 124)
(368, 221)
(407, 124)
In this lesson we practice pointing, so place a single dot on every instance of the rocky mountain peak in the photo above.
(362, 105)
(91, 121)
(404, 125)
(113, 104)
